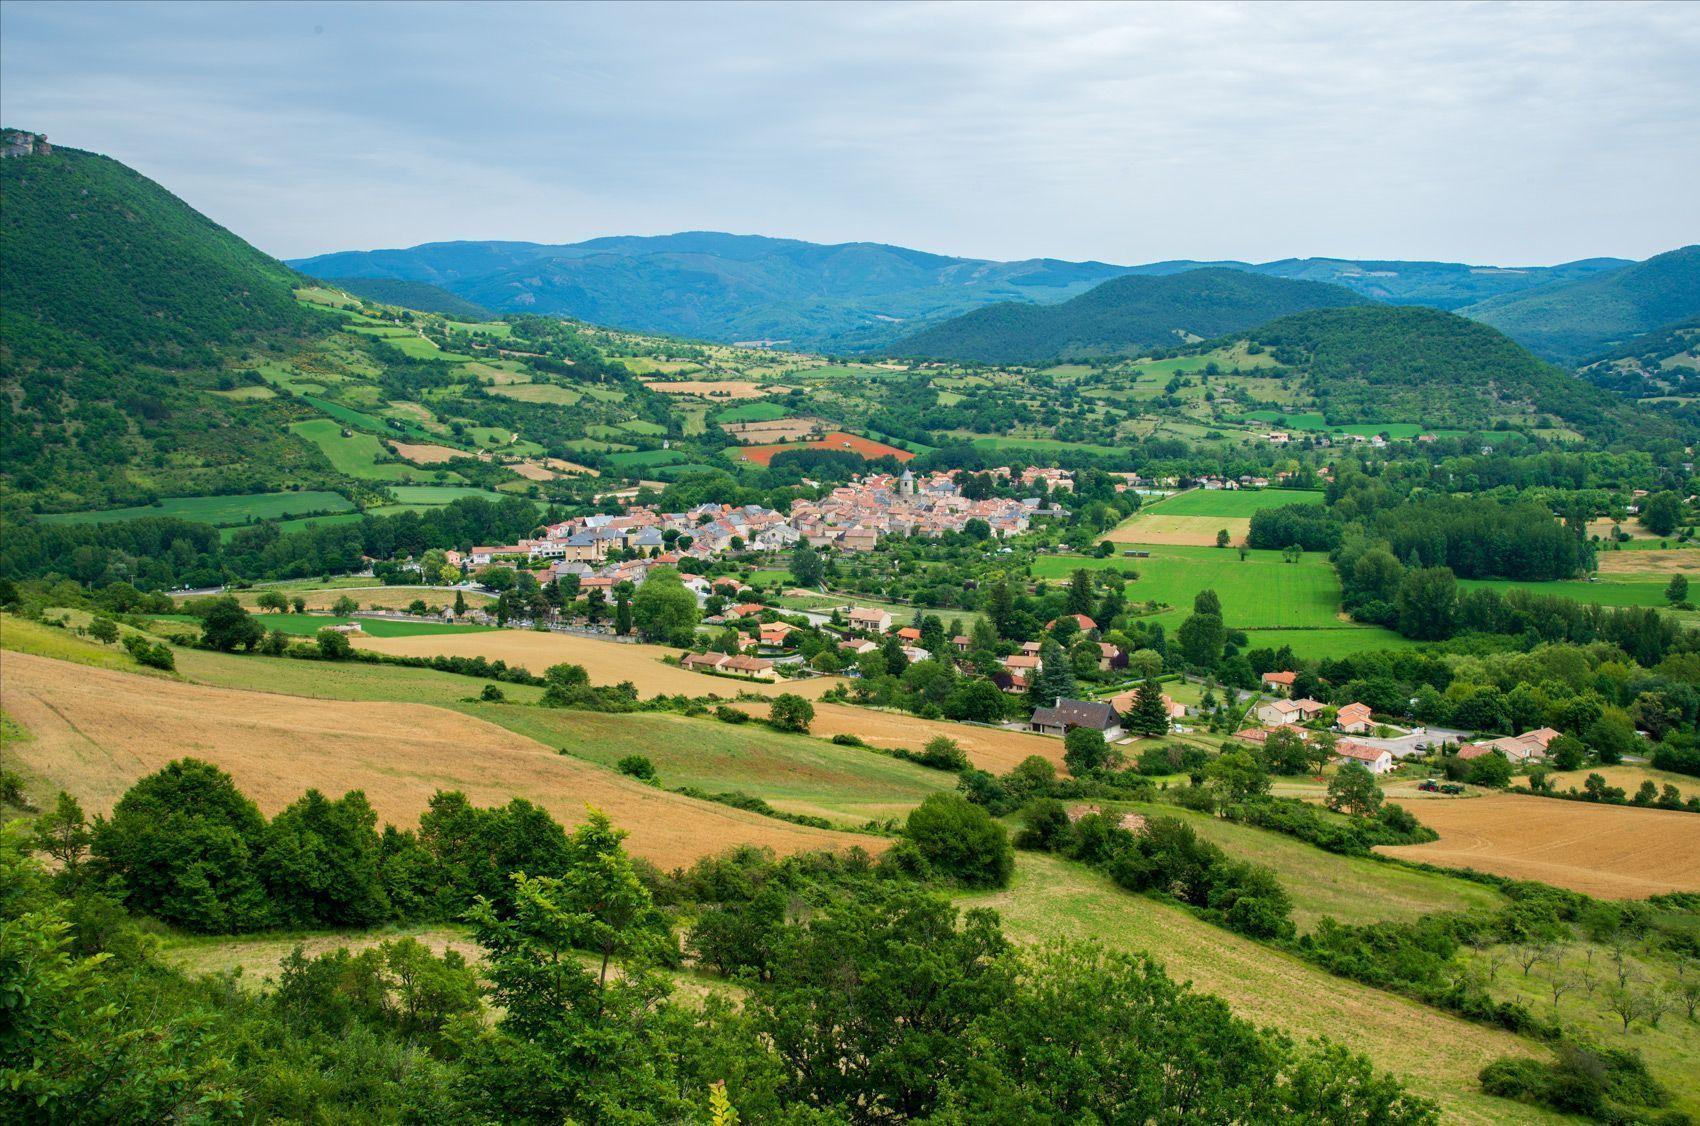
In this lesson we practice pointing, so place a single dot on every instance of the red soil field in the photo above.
(834, 440)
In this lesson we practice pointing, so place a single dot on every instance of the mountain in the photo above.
(844, 297)
(1568, 321)
(1123, 316)
(1372, 363)
(423, 296)
(120, 310)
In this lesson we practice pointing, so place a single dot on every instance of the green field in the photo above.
(499, 329)
(551, 393)
(752, 412)
(1439, 1054)
(797, 774)
(439, 494)
(1230, 502)
(646, 459)
(1047, 446)
(1607, 592)
(1311, 420)
(1261, 592)
(306, 625)
(222, 511)
(1315, 644)
(300, 524)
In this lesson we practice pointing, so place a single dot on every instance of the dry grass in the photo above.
(96, 731)
(425, 453)
(1179, 531)
(1677, 561)
(777, 430)
(710, 389)
(1613, 852)
(988, 748)
(560, 465)
(607, 662)
(1629, 776)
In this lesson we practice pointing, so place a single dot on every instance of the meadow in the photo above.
(1439, 1054)
(221, 510)
(1262, 591)
(1230, 502)
(1606, 592)
(357, 453)
(306, 625)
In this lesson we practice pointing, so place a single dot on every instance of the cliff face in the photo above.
(17, 142)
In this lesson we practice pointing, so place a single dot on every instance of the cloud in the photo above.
(1491, 133)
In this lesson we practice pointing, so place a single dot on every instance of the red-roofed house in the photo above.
(1279, 681)
(1354, 718)
(1379, 760)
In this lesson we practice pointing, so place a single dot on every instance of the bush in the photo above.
(848, 741)
(726, 713)
(791, 712)
(637, 766)
(154, 655)
(333, 645)
(960, 840)
(943, 753)
(492, 694)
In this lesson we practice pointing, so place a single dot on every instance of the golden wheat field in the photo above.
(427, 453)
(1613, 852)
(607, 662)
(1179, 531)
(988, 748)
(95, 731)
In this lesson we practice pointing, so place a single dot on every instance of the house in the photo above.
(1469, 751)
(962, 643)
(775, 633)
(756, 668)
(1123, 703)
(745, 610)
(1279, 681)
(859, 645)
(909, 633)
(1378, 760)
(1354, 718)
(1024, 664)
(704, 662)
(1086, 624)
(874, 621)
(915, 653)
(1527, 747)
(1110, 657)
(1308, 709)
(1032, 648)
(1276, 713)
(1069, 714)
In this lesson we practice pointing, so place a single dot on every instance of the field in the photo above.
(1352, 889)
(1044, 446)
(752, 412)
(1313, 421)
(795, 773)
(989, 748)
(771, 432)
(608, 662)
(1231, 502)
(714, 389)
(1193, 518)
(357, 454)
(428, 453)
(369, 597)
(96, 731)
(224, 510)
(1263, 591)
(1440, 1055)
(832, 440)
(552, 393)
(646, 459)
(1619, 592)
(306, 625)
(1613, 852)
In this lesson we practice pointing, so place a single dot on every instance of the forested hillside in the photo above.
(118, 300)
(1380, 361)
(1569, 321)
(1124, 316)
(424, 296)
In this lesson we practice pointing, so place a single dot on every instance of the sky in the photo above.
(1504, 134)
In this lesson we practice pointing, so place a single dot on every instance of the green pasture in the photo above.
(299, 524)
(1045, 446)
(1261, 591)
(1230, 502)
(222, 511)
(759, 411)
(1609, 591)
(646, 459)
(551, 393)
(307, 625)
(357, 454)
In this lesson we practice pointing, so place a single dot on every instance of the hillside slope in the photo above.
(1569, 321)
(1122, 317)
(423, 296)
(119, 303)
(845, 297)
(1376, 362)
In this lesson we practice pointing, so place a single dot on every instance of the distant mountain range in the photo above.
(1125, 315)
(1569, 321)
(846, 297)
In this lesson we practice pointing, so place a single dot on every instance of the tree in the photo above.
(1149, 715)
(104, 630)
(663, 608)
(1207, 602)
(1055, 679)
(790, 712)
(1677, 589)
(623, 608)
(1080, 591)
(1222, 538)
(228, 626)
(333, 645)
(460, 603)
(1084, 751)
(1427, 604)
(1202, 638)
(1492, 769)
(1661, 513)
(298, 604)
(1238, 775)
(944, 753)
(272, 600)
(319, 861)
(806, 569)
(960, 840)
(344, 606)
(1284, 752)
(63, 833)
(183, 841)
(1353, 791)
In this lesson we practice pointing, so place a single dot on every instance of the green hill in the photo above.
(1568, 321)
(1123, 316)
(120, 304)
(423, 296)
(1410, 363)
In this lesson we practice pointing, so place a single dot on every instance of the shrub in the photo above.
(726, 713)
(791, 712)
(960, 840)
(492, 694)
(637, 766)
(943, 753)
(848, 741)
(154, 655)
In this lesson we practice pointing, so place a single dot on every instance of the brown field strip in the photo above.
(1179, 531)
(425, 453)
(1613, 852)
(1651, 562)
(607, 662)
(718, 389)
(988, 748)
(95, 731)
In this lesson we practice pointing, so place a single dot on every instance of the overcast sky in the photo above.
(1490, 133)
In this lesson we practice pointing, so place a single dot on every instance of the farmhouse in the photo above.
(1123, 703)
(704, 662)
(1354, 718)
(756, 668)
(1279, 681)
(1378, 760)
(1278, 712)
(874, 621)
(1069, 714)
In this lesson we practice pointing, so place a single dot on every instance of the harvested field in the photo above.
(1629, 776)
(988, 748)
(608, 662)
(1652, 561)
(833, 440)
(531, 471)
(1178, 531)
(424, 453)
(711, 389)
(777, 430)
(96, 731)
(1613, 852)
(562, 466)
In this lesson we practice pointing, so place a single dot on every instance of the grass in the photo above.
(300, 524)
(1230, 502)
(1314, 644)
(551, 393)
(1352, 889)
(752, 412)
(1311, 420)
(1606, 592)
(440, 494)
(306, 625)
(1045, 446)
(357, 454)
(848, 785)
(1439, 1055)
(1263, 591)
(646, 459)
(222, 511)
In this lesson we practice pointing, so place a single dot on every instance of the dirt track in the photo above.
(96, 731)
